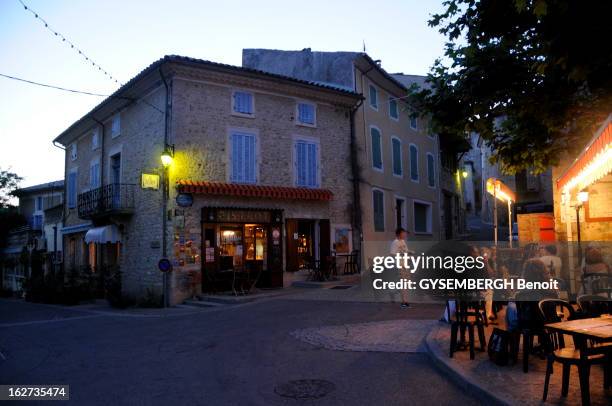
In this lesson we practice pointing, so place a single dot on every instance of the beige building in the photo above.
(260, 180)
(397, 165)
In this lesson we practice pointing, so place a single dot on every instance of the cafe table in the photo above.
(597, 329)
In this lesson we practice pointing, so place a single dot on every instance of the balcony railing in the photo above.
(116, 198)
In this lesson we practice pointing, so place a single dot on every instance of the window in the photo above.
(116, 125)
(378, 204)
(242, 103)
(414, 163)
(94, 174)
(39, 203)
(373, 97)
(396, 146)
(306, 113)
(243, 166)
(37, 221)
(393, 112)
(377, 162)
(306, 163)
(431, 170)
(73, 151)
(413, 122)
(422, 217)
(95, 139)
(72, 189)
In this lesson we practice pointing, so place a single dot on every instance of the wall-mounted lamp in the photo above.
(167, 156)
(583, 197)
(464, 173)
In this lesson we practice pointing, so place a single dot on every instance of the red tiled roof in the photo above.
(272, 192)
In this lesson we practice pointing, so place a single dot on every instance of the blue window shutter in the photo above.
(431, 171)
(249, 159)
(312, 165)
(397, 156)
(414, 164)
(237, 153)
(376, 149)
(301, 163)
(378, 208)
(71, 189)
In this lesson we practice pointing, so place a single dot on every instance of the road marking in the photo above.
(27, 323)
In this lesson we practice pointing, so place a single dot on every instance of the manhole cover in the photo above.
(305, 388)
(341, 287)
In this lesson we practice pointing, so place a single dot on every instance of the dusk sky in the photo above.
(125, 36)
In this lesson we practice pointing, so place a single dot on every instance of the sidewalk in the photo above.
(509, 384)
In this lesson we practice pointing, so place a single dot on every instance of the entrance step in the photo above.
(200, 303)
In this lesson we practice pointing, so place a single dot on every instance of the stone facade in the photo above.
(200, 120)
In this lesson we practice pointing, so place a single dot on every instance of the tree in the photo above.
(9, 182)
(532, 77)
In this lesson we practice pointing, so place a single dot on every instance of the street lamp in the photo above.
(464, 173)
(167, 157)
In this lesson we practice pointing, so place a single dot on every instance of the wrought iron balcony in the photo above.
(116, 198)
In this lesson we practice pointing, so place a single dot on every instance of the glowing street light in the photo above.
(503, 193)
(167, 156)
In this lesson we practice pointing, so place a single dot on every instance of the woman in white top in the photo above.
(399, 246)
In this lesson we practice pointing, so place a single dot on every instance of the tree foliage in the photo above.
(532, 77)
(9, 182)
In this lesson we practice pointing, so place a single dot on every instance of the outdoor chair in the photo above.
(468, 315)
(350, 265)
(553, 311)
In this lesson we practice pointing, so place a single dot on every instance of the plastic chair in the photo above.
(468, 314)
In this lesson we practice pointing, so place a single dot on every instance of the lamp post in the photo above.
(582, 198)
(167, 157)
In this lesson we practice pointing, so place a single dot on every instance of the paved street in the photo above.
(225, 355)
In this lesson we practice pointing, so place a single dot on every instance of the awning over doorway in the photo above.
(103, 235)
(593, 163)
(272, 192)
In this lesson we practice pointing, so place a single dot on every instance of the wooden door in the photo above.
(292, 241)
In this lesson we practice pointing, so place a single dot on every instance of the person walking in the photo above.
(399, 246)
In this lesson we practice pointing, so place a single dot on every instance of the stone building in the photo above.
(38, 204)
(397, 166)
(259, 183)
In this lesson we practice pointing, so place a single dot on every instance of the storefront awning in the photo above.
(271, 192)
(593, 163)
(103, 235)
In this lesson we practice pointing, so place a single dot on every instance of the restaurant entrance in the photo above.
(307, 241)
(241, 244)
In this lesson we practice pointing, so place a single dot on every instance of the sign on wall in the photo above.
(150, 181)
